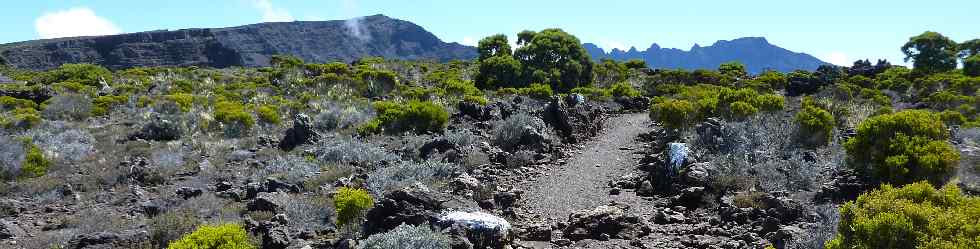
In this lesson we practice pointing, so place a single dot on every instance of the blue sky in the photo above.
(833, 30)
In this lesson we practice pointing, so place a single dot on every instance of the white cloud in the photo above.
(469, 41)
(271, 13)
(73, 22)
(609, 45)
(837, 58)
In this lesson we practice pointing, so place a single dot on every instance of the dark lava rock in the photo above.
(266, 202)
(109, 240)
(187, 192)
(440, 145)
(610, 220)
(158, 130)
(413, 205)
(276, 238)
(10, 230)
(301, 133)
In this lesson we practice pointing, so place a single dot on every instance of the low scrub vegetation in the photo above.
(914, 216)
(903, 148)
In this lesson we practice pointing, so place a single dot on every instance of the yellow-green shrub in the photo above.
(624, 89)
(416, 116)
(26, 117)
(103, 104)
(538, 91)
(230, 112)
(268, 114)
(593, 92)
(184, 100)
(350, 204)
(913, 216)
(770, 102)
(816, 123)
(673, 113)
(902, 148)
(227, 236)
(14, 103)
(34, 165)
(741, 109)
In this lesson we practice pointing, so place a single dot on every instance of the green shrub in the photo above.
(229, 112)
(86, 74)
(34, 165)
(103, 104)
(14, 103)
(741, 109)
(593, 92)
(350, 204)
(913, 216)
(475, 99)
(902, 148)
(816, 123)
(770, 102)
(951, 117)
(268, 114)
(673, 113)
(538, 91)
(26, 118)
(417, 116)
(185, 101)
(624, 89)
(227, 236)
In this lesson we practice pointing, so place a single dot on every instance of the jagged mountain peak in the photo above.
(755, 52)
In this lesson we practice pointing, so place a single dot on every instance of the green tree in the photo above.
(554, 57)
(498, 68)
(494, 45)
(636, 64)
(733, 69)
(969, 48)
(971, 66)
(286, 61)
(931, 52)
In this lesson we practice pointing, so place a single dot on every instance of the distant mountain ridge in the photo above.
(249, 45)
(756, 53)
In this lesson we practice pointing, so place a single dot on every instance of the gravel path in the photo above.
(582, 182)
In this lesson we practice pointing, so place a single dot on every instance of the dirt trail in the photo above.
(582, 182)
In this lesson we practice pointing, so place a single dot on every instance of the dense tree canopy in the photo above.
(551, 57)
(554, 57)
(931, 52)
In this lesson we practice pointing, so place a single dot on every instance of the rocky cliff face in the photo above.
(755, 52)
(250, 45)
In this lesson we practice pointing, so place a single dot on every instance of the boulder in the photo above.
(271, 202)
(482, 229)
(691, 197)
(608, 219)
(10, 230)
(158, 130)
(188, 192)
(440, 145)
(301, 133)
(276, 237)
(413, 205)
(697, 174)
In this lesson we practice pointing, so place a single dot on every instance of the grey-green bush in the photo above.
(407, 236)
